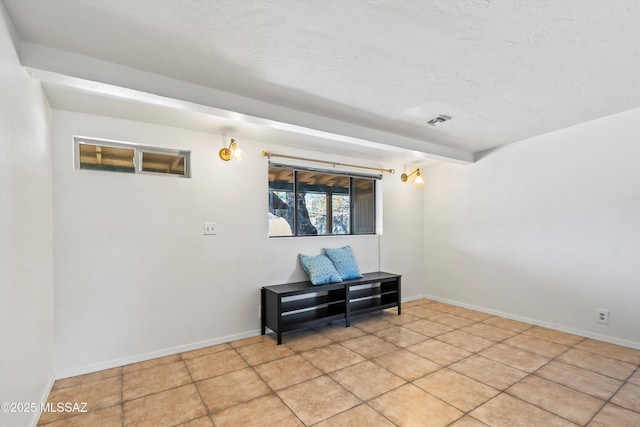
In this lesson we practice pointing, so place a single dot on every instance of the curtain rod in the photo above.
(270, 154)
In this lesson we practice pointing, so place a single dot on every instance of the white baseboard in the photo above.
(542, 323)
(414, 298)
(215, 341)
(43, 399)
(87, 369)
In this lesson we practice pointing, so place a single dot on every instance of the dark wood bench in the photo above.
(297, 305)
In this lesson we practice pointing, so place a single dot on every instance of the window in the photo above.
(103, 157)
(305, 202)
(162, 163)
(130, 158)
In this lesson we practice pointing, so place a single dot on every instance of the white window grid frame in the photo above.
(138, 153)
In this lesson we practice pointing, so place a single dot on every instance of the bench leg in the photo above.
(263, 314)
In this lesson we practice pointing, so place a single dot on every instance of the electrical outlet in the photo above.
(603, 316)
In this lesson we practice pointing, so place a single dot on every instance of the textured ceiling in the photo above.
(503, 70)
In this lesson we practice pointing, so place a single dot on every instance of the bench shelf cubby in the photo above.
(297, 305)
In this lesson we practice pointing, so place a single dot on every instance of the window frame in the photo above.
(352, 205)
(139, 150)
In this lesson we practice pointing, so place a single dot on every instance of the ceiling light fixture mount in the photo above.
(233, 153)
(418, 182)
(439, 119)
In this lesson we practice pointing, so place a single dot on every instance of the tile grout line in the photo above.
(472, 353)
(608, 401)
(362, 401)
(328, 374)
(77, 415)
(532, 373)
(274, 392)
(193, 382)
(501, 392)
(160, 391)
(441, 367)
(570, 346)
(528, 374)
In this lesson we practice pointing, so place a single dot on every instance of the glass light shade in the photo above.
(233, 154)
(419, 181)
(238, 156)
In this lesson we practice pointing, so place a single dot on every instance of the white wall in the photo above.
(26, 242)
(401, 244)
(546, 229)
(135, 276)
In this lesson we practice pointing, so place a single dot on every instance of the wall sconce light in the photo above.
(418, 182)
(233, 153)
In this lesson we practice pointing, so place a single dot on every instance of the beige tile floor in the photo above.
(435, 365)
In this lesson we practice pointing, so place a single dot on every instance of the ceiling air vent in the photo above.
(438, 120)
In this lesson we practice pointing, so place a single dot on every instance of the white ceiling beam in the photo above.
(101, 78)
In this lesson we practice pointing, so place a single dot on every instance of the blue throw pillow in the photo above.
(345, 263)
(320, 269)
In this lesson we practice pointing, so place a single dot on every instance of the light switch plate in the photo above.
(210, 228)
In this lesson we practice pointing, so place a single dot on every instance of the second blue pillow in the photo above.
(344, 262)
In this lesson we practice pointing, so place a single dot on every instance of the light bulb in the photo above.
(419, 181)
(237, 155)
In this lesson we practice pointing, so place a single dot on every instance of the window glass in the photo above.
(281, 202)
(364, 206)
(316, 203)
(340, 208)
(100, 157)
(163, 163)
(325, 198)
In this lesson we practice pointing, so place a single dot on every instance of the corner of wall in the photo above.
(26, 226)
